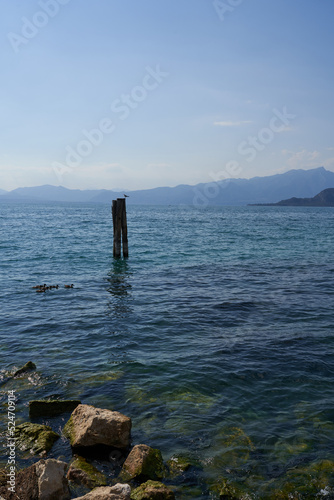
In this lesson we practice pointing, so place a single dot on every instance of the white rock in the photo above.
(52, 483)
(117, 492)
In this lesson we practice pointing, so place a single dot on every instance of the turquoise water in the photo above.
(215, 336)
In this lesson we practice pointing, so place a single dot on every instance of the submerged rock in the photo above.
(35, 438)
(101, 378)
(303, 482)
(143, 462)
(82, 472)
(152, 490)
(26, 368)
(229, 490)
(232, 448)
(117, 492)
(90, 426)
(44, 480)
(51, 408)
(177, 465)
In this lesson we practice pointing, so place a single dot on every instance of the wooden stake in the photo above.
(120, 228)
(117, 219)
(124, 231)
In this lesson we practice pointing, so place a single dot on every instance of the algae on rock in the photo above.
(229, 490)
(143, 462)
(35, 438)
(301, 483)
(82, 472)
(90, 426)
(232, 448)
(152, 490)
(177, 465)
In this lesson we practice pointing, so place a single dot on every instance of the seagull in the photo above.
(126, 196)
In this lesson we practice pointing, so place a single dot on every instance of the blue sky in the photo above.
(137, 94)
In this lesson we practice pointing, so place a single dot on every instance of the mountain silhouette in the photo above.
(258, 190)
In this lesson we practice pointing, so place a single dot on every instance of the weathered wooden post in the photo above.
(124, 231)
(120, 228)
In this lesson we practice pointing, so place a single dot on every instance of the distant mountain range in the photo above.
(258, 190)
(323, 199)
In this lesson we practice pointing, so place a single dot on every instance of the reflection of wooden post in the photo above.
(120, 228)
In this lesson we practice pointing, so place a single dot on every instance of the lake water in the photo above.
(216, 335)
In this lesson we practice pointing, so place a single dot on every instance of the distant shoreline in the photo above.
(324, 199)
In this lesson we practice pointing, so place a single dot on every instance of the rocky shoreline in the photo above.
(89, 430)
(131, 471)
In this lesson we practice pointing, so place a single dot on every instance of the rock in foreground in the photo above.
(117, 492)
(82, 472)
(52, 483)
(152, 490)
(44, 480)
(143, 462)
(26, 485)
(90, 426)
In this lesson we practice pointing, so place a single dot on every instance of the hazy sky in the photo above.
(142, 93)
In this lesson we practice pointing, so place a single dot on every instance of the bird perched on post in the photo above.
(126, 196)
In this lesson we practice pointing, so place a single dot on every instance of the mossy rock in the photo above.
(188, 492)
(68, 430)
(152, 490)
(35, 438)
(82, 472)
(302, 482)
(226, 489)
(51, 407)
(232, 448)
(90, 427)
(313, 478)
(177, 465)
(252, 481)
(143, 462)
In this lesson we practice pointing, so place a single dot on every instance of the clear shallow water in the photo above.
(215, 336)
